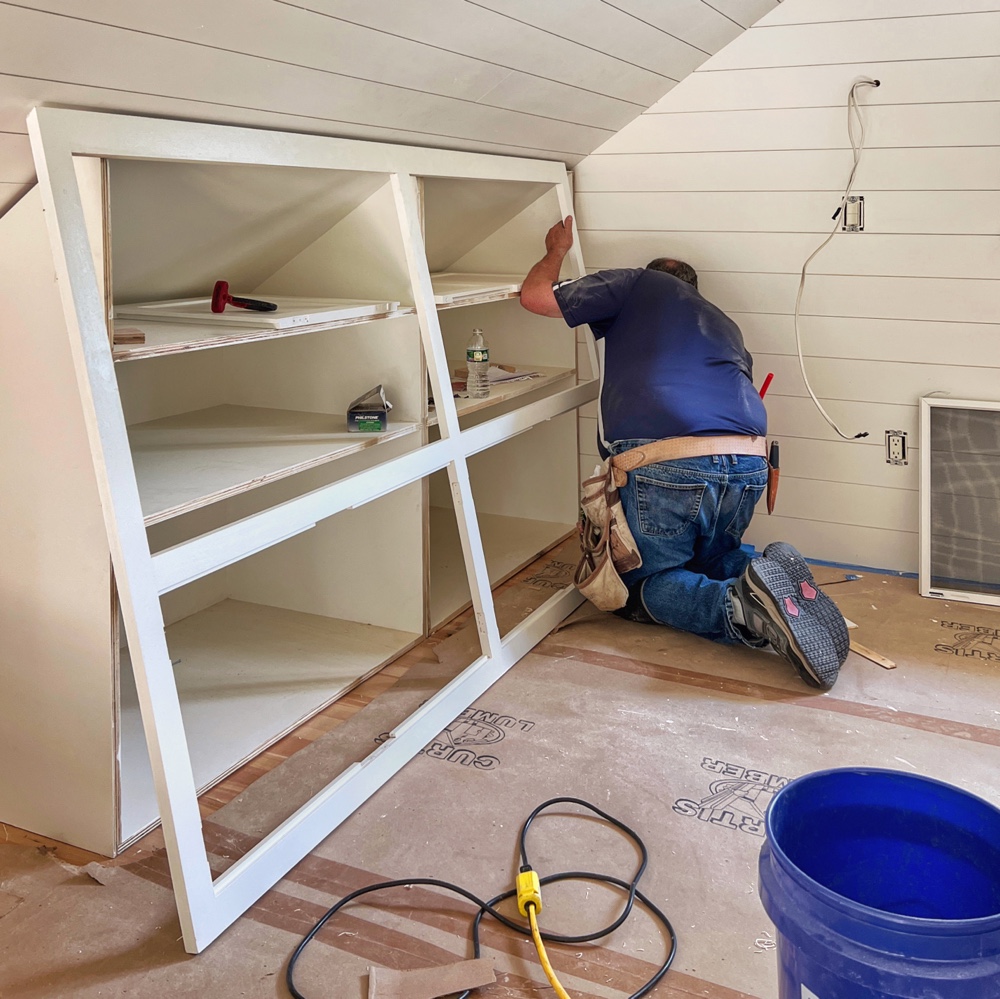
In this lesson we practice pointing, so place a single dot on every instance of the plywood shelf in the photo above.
(164, 338)
(548, 378)
(510, 544)
(188, 461)
(246, 675)
(453, 288)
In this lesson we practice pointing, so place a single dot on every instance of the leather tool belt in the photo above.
(672, 448)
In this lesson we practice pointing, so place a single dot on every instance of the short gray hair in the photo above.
(678, 268)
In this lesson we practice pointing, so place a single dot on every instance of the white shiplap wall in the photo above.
(515, 77)
(738, 170)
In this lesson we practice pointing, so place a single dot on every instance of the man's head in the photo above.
(678, 268)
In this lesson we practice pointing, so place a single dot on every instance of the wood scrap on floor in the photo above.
(875, 657)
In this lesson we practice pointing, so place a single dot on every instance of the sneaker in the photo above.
(825, 609)
(774, 610)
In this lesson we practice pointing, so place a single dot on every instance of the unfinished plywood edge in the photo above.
(165, 339)
(500, 296)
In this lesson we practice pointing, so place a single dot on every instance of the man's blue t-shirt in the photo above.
(674, 365)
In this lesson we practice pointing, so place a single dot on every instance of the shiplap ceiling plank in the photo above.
(810, 128)
(783, 253)
(865, 10)
(499, 76)
(939, 37)
(696, 22)
(116, 58)
(919, 82)
(461, 26)
(945, 168)
(300, 38)
(19, 94)
(622, 28)
(745, 12)
(955, 212)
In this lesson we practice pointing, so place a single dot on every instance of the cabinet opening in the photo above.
(526, 498)
(260, 646)
(324, 245)
(208, 426)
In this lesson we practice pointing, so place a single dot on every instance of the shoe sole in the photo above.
(825, 609)
(801, 637)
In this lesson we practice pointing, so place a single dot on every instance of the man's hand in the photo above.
(536, 290)
(560, 238)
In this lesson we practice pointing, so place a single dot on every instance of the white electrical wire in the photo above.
(857, 147)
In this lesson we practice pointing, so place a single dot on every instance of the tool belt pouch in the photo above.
(607, 543)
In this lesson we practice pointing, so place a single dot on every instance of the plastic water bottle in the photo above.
(477, 356)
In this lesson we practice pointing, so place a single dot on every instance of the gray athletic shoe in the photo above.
(774, 609)
(825, 609)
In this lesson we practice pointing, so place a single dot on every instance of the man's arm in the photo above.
(536, 290)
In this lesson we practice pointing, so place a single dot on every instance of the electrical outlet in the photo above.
(895, 447)
(854, 214)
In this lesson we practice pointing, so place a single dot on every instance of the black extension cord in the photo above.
(487, 908)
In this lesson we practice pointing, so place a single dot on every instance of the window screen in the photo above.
(965, 499)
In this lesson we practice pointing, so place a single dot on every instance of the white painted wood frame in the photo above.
(208, 907)
(927, 589)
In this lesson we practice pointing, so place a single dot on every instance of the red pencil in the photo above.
(767, 382)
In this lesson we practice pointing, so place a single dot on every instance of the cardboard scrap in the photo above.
(429, 983)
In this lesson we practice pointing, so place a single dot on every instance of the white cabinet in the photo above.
(200, 555)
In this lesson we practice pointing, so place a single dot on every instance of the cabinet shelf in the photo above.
(547, 378)
(188, 461)
(246, 675)
(453, 289)
(165, 338)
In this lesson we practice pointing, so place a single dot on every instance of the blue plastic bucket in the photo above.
(882, 885)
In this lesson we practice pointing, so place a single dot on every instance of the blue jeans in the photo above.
(688, 517)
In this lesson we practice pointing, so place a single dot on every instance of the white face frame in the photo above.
(207, 907)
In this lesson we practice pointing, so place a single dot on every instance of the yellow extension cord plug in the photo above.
(529, 904)
(529, 891)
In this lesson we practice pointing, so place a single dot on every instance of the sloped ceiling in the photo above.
(546, 78)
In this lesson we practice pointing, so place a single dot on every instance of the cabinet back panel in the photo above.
(533, 475)
(360, 257)
(515, 335)
(315, 372)
(177, 228)
(517, 245)
(360, 565)
(459, 214)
